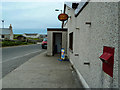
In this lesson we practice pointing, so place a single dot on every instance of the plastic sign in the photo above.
(62, 54)
(63, 17)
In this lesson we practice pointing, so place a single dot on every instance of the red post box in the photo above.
(108, 60)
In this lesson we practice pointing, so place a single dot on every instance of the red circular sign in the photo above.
(62, 17)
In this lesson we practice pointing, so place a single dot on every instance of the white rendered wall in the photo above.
(88, 42)
(50, 41)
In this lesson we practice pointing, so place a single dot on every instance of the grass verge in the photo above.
(15, 43)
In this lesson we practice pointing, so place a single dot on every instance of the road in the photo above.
(12, 57)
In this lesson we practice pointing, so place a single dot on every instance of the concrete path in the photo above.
(41, 72)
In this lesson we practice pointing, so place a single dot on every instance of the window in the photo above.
(3, 36)
(71, 41)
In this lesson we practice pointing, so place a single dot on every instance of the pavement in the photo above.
(42, 71)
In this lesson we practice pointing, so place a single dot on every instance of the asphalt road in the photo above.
(12, 57)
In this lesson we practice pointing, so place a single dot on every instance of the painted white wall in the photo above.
(119, 44)
(88, 42)
(50, 41)
(11, 34)
(32, 36)
(7, 32)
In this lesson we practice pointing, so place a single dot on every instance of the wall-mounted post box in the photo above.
(108, 60)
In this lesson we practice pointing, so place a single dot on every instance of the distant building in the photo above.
(21, 38)
(6, 33)
(31, 35)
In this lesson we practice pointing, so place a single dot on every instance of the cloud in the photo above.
(31, 15)
(35, 0)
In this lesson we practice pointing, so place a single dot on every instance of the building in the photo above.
(31, 35)
(21, 38)
(6, 33)
(91, 27)
(57, 39)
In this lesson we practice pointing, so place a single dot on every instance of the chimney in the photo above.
(10, 27)
(75, 5)
(11, 32)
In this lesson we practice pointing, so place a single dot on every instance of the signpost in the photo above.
(63, 17)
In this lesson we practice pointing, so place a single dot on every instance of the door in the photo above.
(57, 43)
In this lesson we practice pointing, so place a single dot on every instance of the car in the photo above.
(44, 43)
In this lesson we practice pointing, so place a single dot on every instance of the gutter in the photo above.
(82, 80)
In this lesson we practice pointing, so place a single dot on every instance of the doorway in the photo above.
(57, 43)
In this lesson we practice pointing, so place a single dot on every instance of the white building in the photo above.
(57, 38)
(6, 33)
(92, 26)
(31, 35)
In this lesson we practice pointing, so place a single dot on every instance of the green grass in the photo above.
(37, 39)
(14, 39)
(34, 38)
(14, 43)
(16, 35)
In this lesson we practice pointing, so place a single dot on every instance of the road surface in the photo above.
(12, 57)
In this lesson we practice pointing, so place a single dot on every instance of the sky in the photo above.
(31, 15)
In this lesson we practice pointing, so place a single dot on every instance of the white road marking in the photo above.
(18, 57)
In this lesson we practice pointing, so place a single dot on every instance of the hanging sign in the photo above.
(63, 17)
(62, 54)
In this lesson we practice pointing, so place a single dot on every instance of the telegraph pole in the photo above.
(2, 23)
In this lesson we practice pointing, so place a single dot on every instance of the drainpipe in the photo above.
(63, 12)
